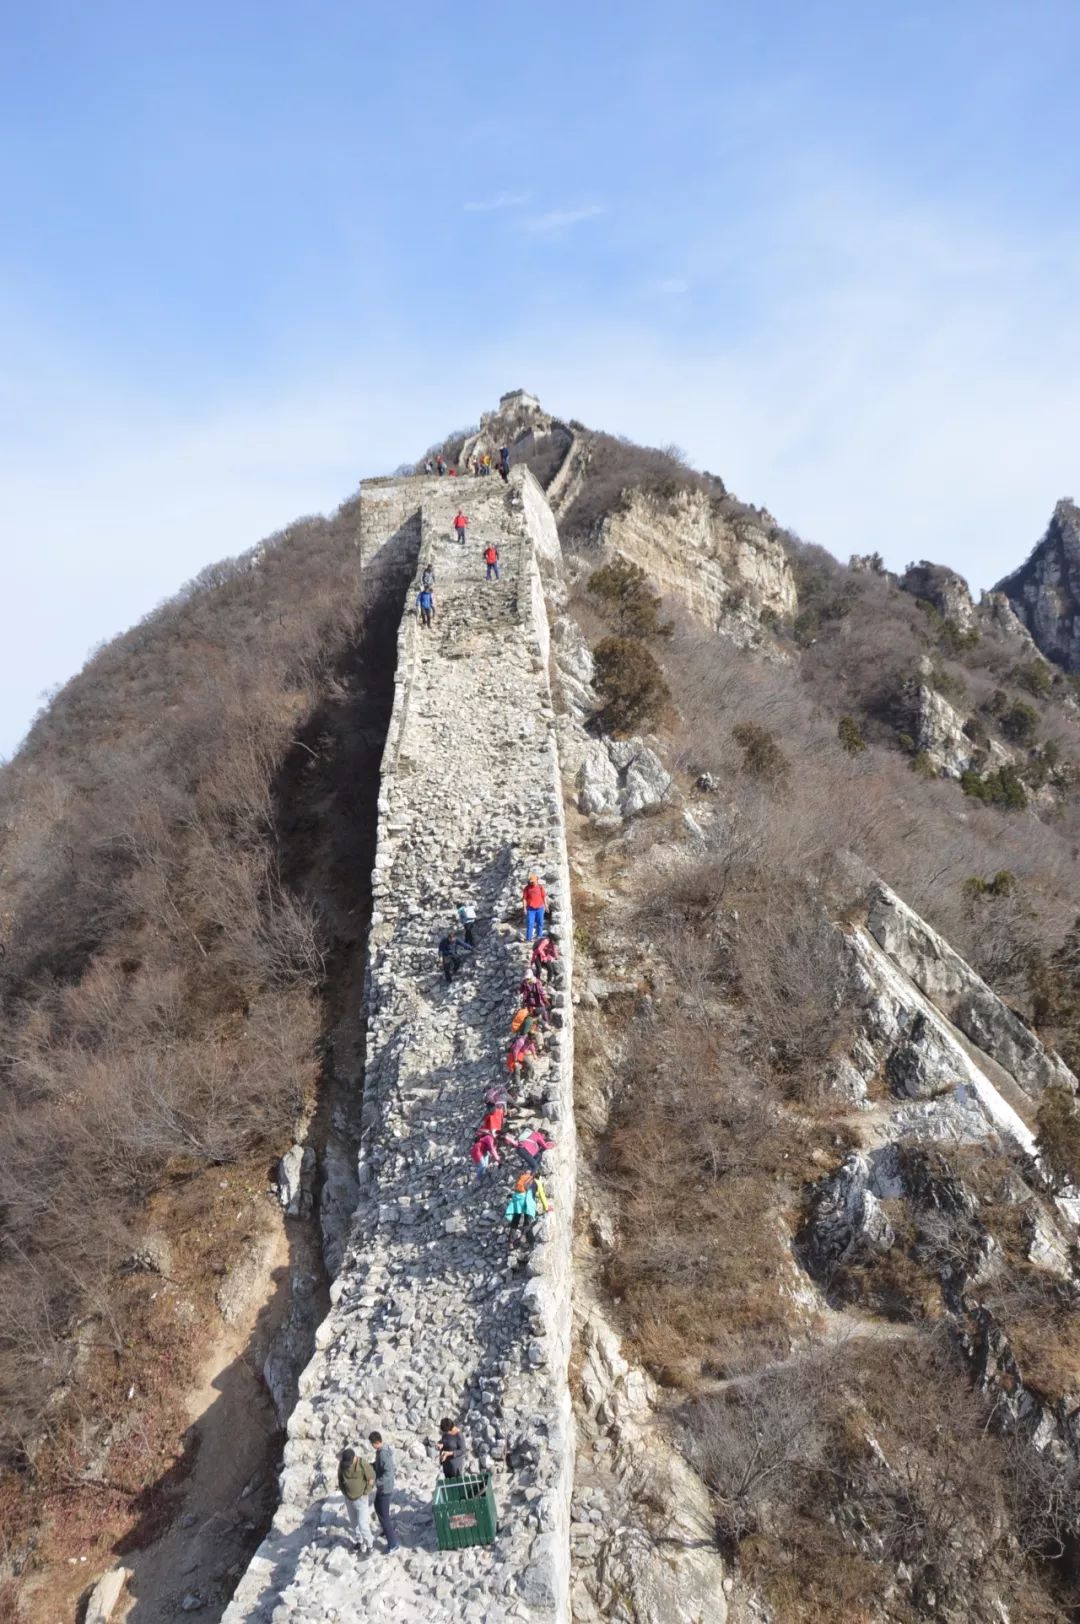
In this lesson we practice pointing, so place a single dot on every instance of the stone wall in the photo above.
(433, 1312)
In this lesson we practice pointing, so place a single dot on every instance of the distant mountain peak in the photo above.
(1045, 590)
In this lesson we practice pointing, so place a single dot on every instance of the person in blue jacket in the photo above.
(425, 602)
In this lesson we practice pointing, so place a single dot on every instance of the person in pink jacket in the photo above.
(531, 1148)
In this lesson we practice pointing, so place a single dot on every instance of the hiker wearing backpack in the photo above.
(521, 1210)
(532, 995)
(467, 918)
(532, 1147)
(460, 521)
(534, 900)
(356, 1480)
(491, 559)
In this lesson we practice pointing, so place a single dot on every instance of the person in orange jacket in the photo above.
(460, 521)
(534, 898)
(491, 559)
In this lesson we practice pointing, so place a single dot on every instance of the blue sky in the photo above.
(253, 252)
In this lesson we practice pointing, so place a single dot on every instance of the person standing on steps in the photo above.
(532, 994)
(383, 1465)
(520, 1213)
(451, 1449)
(452, 954)
(545, 956)
(534, 898)
(460, 522)
(491, 559)
(504, 462)
(467, 918)
(427, 580)
(429, 467)
(440, 467)
(356, 1480)
(425, 602)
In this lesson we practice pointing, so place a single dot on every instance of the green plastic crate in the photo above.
(465, 1512)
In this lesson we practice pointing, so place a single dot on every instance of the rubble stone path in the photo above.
(434, 1310)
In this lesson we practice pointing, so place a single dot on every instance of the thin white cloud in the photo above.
(556, 220)
(501, 200)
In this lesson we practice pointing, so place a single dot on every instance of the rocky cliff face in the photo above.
(1045, 592)
(727, 570)
(942, 587)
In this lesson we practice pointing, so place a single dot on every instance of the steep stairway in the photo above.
(435, 1311)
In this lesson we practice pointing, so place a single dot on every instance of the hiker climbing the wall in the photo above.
(531, 1148)
(532, 994)
(533, 1182)
(491, 559)
(526, 1023)
(520, 1211)
(545, 956)
(460, 524)
(467, 920)
(356, 1480)
(504, 462)
(494, 1123)
(429, 466)
(534, 899)
(427, 580)
(440, 466)
(383, 1467)
(425, 603)
(484, 1152)
(520, 1053)
(452, 954)
(451, 1449)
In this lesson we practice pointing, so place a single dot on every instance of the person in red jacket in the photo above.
(460, 521)
(491, 559)
(535, 900)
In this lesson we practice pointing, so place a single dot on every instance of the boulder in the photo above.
(106, 1593)
(296, 1175)
(621, 778)
(845, 1221)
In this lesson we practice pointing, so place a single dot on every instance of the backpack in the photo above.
(519, 1019)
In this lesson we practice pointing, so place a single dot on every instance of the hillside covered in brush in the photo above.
(824, 827)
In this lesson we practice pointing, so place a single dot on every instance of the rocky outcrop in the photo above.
(430, 1313)
(952, 986)
(938, 732)
(642, 1539)
(1045, 591)
(845, 1221)
(727, 567)
(612, 779)
(941, 587)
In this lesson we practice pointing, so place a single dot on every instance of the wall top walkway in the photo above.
(434, 1311)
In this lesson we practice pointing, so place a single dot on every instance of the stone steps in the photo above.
(434, 1311)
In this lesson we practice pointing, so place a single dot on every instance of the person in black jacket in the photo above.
(451, 1448)
(383, 1465)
